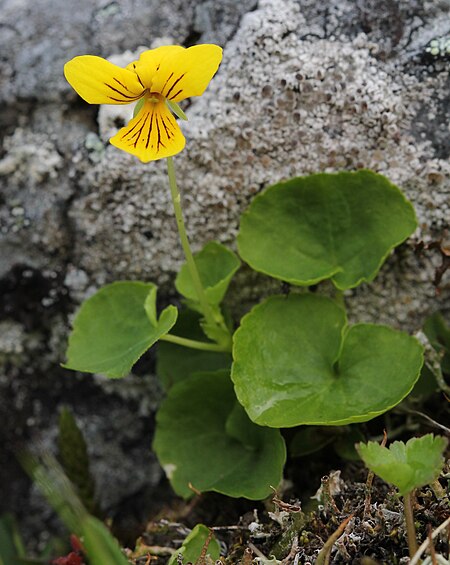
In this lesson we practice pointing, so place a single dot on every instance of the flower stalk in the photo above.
(204, 304)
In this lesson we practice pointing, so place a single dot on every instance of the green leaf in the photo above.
(176, 110)
(204, 438)
(101, 547)
(138, 107)
(407, 466)
(11, 545)
(297, 362)
(74, 459)
(218, 332)
(216, 265)
(167, 318)
(115, 327)
(194, 545)
(438, 332)
(174, 362)
(340, 226)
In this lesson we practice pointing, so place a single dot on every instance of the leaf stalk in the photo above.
(194, 344)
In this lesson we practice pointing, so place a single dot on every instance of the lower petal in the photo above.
(153, 134)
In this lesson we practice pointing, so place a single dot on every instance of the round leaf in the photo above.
(204, 438)
(296, 362)
(340, 226)
(216, 265)
(115, 326)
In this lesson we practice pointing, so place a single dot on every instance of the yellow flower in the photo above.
(160, 77)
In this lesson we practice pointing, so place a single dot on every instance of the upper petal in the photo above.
(181, 73)
(152, 134)
(100, 82)
(150, 61)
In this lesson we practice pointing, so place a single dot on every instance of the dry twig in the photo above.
(323, 557)
(416, 557)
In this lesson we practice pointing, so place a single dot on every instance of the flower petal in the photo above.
(181, 73)
(152, 134)
(150, 61)
(100, 82)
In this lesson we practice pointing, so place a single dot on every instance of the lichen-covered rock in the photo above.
(283, 103)
(32, 219)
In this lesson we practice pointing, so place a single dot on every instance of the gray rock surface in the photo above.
(284, 104)
(303, 87)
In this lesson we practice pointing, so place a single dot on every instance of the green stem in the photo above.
(176, 200)
(410, 527)
(193, 344)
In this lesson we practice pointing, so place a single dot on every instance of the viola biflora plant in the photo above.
(294, 360)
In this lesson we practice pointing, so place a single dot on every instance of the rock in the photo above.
(284, 103)
(38, 38)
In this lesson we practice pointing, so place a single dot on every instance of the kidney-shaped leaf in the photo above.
(204, 438)
(297, 362)
(407, 466)
(216, 265)
(340, 226)
(115, 326)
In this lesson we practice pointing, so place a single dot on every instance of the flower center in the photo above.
(154, 97)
